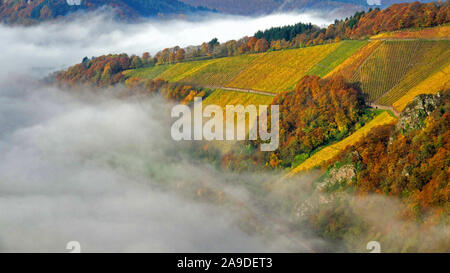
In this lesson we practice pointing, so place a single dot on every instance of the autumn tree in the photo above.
(164, 56)
(231, 47)
(147, 59)
(252, 42)
(206, 49)
(261, 45)
(136, 62)
(181, 54)
(243, 48)
(172, 57)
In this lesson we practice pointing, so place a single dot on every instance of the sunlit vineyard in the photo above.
(435, 55)
(169, 72)
(349, 67)
(221, 72)
(280, 70)
(434, 32)
(215, 72)
(437, 82)
(181, 70)
(386, 70)
(225, 97)
(335, 58)
(389, 64)
(147, 72)
(273, 71)
(331, 151)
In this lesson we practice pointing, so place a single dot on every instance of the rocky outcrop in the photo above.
(338, 175)
(415, 113)
(344, 173)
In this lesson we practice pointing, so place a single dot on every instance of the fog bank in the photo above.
(98, 170)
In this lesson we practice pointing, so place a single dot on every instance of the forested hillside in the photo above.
(409, 159)
(31, 11)
(255, 7)
(363, 24)
(317, 112)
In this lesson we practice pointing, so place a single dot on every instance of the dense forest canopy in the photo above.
(285, 32)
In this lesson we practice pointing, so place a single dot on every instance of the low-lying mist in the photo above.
(73, 170)
(101, 171)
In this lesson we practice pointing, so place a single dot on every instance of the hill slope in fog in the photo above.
(31, 11)
(252, 7)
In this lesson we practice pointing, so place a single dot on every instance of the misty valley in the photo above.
(195, 127)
